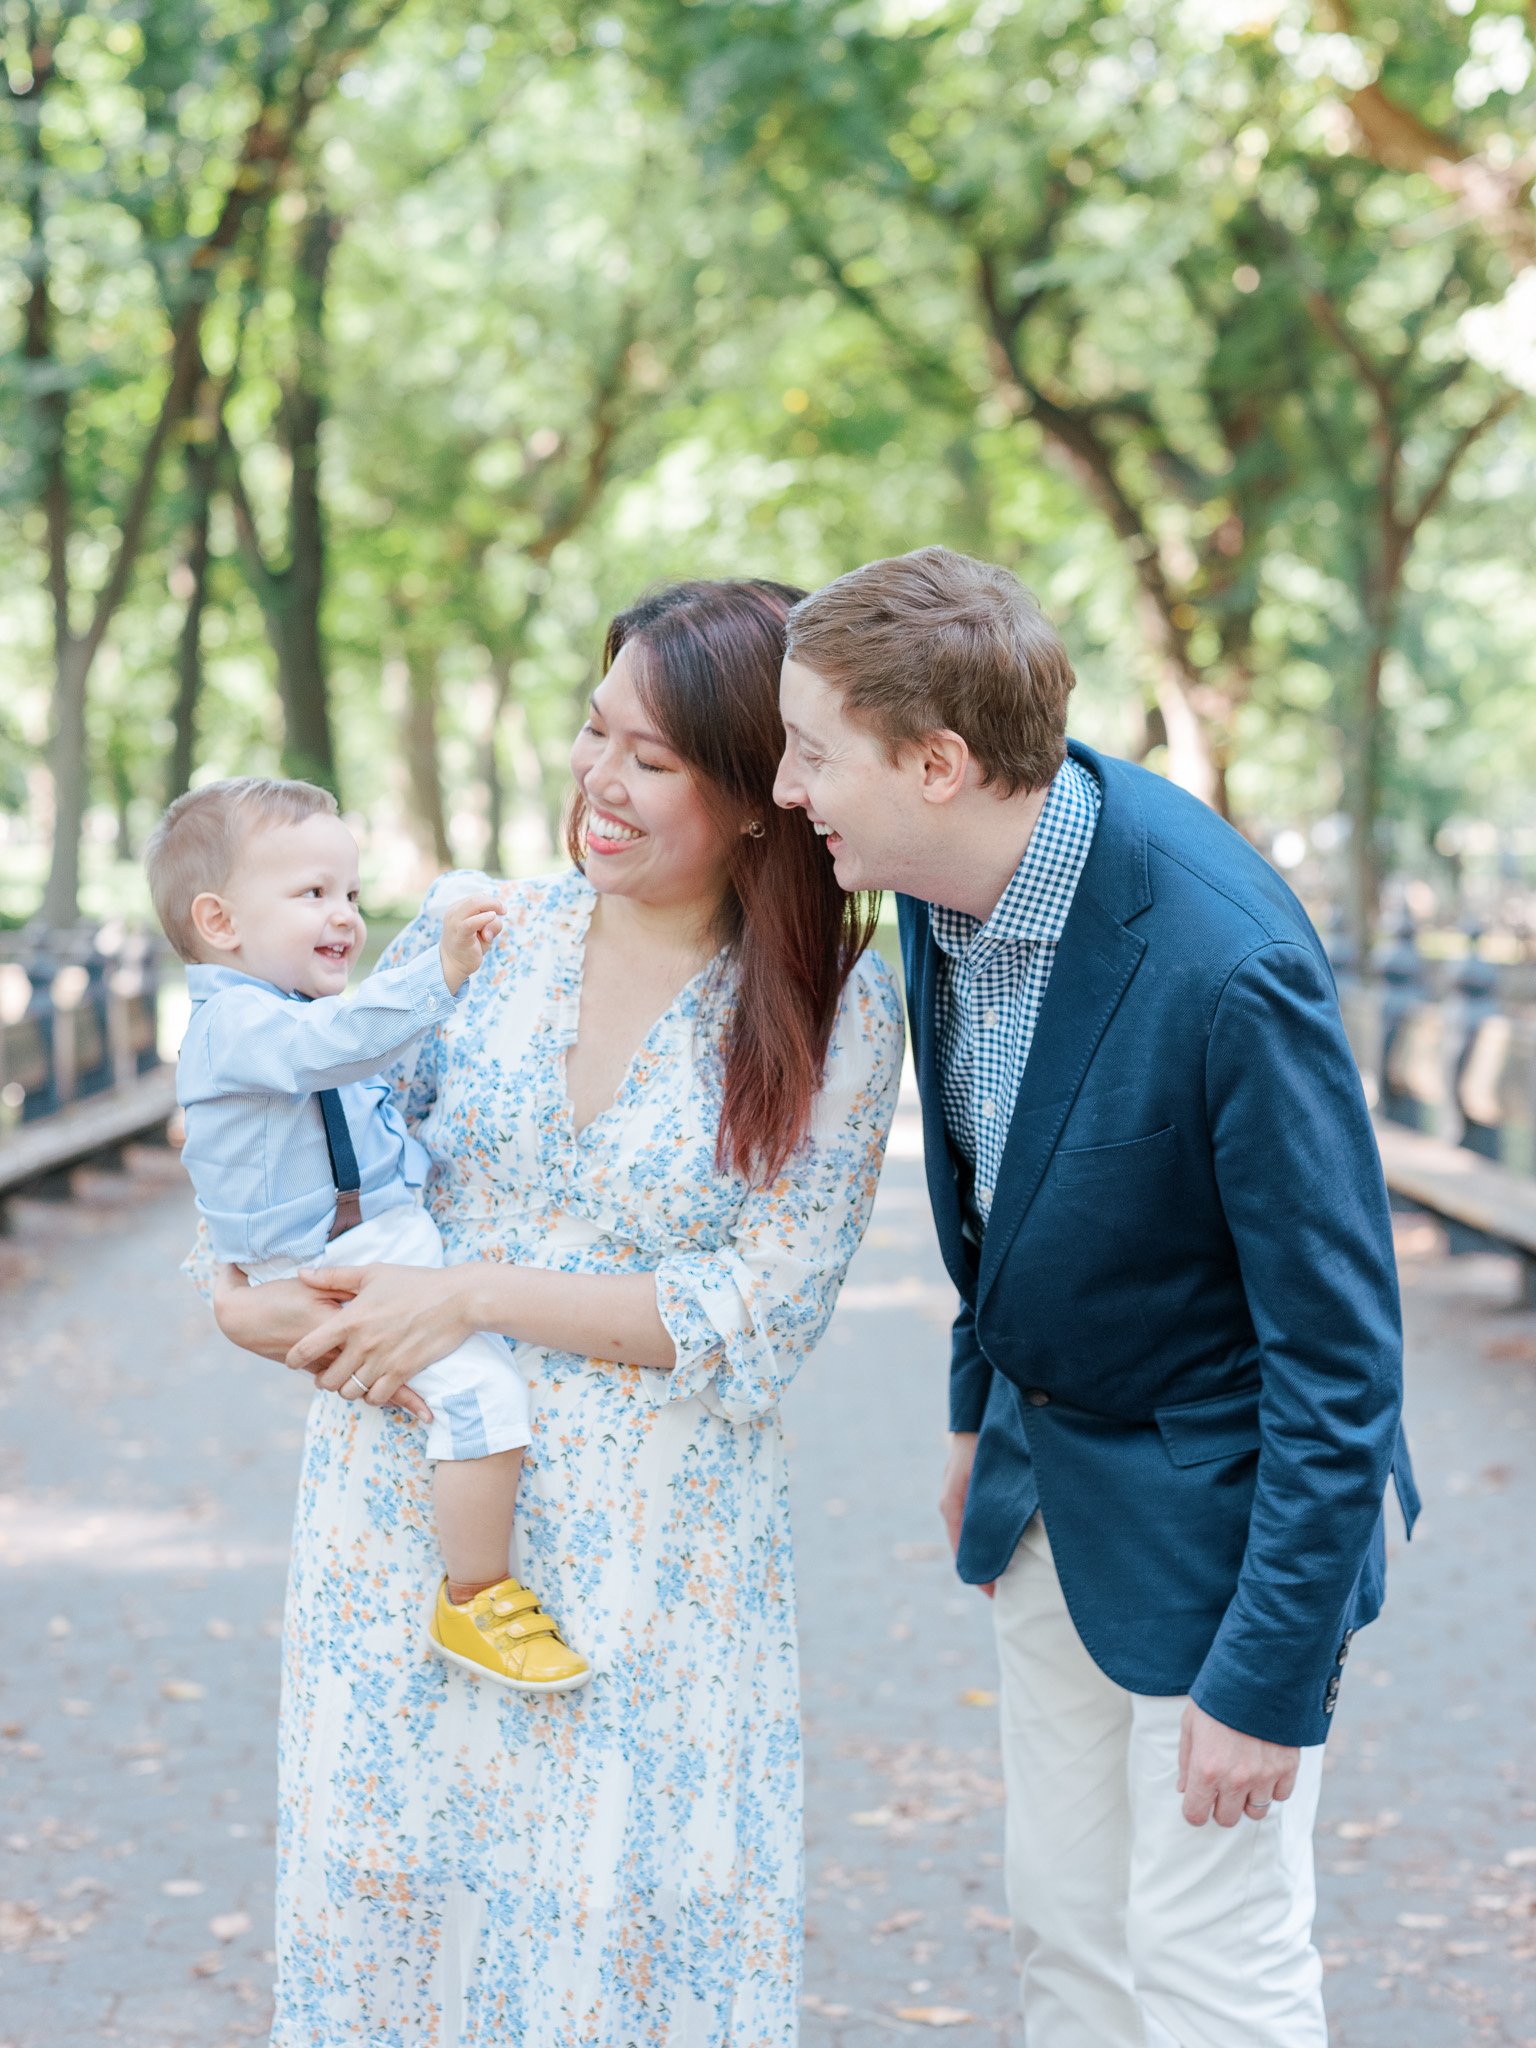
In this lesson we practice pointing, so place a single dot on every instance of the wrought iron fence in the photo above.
(78, 1015)
(1448, 1045)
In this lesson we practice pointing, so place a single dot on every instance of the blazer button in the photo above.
(1037, 1397)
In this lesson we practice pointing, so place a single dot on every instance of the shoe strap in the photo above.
(515, 1599)
(522, 1628)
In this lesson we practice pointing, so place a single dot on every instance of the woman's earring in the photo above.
(757, 829)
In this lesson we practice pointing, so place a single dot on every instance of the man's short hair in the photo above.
(196, 844)
(935, 642)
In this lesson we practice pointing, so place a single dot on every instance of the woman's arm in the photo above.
(270, 1320)
(402, 1318)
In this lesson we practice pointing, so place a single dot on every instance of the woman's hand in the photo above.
(399, 1320)
(270, 1320)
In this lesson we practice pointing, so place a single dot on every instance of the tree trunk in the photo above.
(1195, 762)
(202, 473)
(422, 761)
(1363, 804)
(122, 796)
(303, 673)
(490, 763)
(67, 767)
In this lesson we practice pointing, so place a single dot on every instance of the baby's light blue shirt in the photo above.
(251, 1065)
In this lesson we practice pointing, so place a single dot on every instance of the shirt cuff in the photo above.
(431, 997)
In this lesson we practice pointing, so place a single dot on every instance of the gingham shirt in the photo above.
(993, 977)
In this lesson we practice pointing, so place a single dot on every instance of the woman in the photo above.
(658, 1117)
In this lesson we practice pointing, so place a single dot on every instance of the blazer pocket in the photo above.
(1199, 1432)
(1137, 1156)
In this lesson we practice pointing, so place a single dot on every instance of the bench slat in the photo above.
(1458, 1184)
(84, 1128)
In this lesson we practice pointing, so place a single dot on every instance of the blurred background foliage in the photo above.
(358, 359)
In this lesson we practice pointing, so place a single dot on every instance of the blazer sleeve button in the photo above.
(1037, 1397)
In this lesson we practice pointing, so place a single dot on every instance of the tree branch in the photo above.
(1394, 137)
(1467, 439)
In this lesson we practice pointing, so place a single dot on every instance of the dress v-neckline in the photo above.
(581, 929)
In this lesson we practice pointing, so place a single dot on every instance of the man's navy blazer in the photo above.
(1179, 1333)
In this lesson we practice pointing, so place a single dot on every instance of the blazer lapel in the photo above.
(1095, 961)
(1094, 964)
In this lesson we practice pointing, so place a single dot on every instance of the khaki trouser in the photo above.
(1131, 1928)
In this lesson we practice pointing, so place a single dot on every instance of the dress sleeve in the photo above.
(744, 1316)
(200, 1266)
(414, 1072)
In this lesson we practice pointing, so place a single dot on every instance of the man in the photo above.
(1176, 1373)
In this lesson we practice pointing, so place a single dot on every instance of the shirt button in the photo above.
(989, 1018)
(984, 1195)
(989, 1110)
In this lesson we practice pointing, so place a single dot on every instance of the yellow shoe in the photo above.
(504, 1634)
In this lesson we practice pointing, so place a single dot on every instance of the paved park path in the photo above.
(146, 1481)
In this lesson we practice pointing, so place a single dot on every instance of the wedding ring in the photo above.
(1259, 1805)
(352, 1380)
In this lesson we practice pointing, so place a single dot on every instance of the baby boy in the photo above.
(299, 1157)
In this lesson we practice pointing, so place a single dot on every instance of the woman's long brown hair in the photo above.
(708, 674)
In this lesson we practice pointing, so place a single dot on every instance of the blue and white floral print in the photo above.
(461, 1867)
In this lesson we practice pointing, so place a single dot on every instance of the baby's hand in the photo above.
(468, 929)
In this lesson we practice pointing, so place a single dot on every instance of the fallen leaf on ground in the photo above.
(181, 1887)
(1421, 1920)
(1363, 1830)
(897, 1921)
(978, 1696)
(984, 1917)
(225, 1926)
(1519, 1859)
(873, 1817)
(936, 2015)
(208, 1965)
(183, 1689)
(1520, 1350)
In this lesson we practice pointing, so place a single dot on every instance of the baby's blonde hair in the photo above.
(196, 844)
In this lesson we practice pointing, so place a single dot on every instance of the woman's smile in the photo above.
(607, 834)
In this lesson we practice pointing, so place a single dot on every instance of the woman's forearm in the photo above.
(596, 1315)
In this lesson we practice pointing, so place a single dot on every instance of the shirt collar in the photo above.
(1033, 909)
(204, 980)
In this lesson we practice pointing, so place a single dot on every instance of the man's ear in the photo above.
(214, 922)
(945, 761)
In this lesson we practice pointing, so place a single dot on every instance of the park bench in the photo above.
(37, 1158)
(1463, 1188)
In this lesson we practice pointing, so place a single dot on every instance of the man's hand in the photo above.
(1224, 1775)
(954, 1487)
(468, 929)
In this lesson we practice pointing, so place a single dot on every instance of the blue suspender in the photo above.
(338, 1142)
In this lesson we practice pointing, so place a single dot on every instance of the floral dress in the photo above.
(463, 1867)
